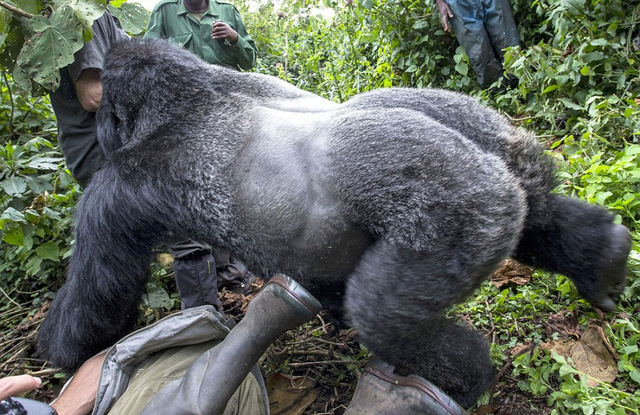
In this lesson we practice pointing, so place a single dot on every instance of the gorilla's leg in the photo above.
(396, 299)
(115, 230)
(580, 241)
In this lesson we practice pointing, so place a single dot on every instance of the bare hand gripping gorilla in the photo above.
(394, 205)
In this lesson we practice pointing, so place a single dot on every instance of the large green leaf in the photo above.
(52, 42)
(51, 47)
(30, 6)
(49, 250)
(14, 186)
(86, 11)
(156, 297)
(33, 266)
(5, 26)
(132, 16)
(12, 215)
(13, 42)
(13, 235)
(45, 163)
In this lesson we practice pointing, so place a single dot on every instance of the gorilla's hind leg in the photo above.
(396, 299)
(582, 242)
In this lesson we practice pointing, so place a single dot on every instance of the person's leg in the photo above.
(281, 305)
(248, 399)
(391, 394)
(232, 273)
(194, 269)
(500, 25)
(469, 28)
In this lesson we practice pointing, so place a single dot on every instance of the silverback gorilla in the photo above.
(393, 206)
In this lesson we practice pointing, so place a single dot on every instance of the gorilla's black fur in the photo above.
(399, 202)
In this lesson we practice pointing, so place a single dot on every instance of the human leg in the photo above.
(280, 306)
(382, 392)
(170, 364)
(194, 269)
(500, 25)
(469, 28)
(232, 273)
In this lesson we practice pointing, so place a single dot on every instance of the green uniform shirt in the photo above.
(171, 20)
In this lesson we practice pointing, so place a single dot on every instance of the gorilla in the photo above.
(391, 207)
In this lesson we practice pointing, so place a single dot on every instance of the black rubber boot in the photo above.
(212, 379)
(381, 392)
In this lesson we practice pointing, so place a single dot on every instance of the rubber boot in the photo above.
(381, 392)
(212, 379)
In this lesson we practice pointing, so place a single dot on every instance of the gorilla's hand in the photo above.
(611, 278)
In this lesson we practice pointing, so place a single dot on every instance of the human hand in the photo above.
(445, 14)
(221, 30)
(14, 385)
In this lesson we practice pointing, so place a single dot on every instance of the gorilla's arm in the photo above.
(107, 272)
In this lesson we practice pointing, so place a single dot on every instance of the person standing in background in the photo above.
(211, 29)
(484, 28)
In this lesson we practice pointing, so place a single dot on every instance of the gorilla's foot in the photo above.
(282, 305)
(381, 392)
(612, 268)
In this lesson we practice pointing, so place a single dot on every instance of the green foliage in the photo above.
(132, 17)
(518, 316)
(606, 178)
(41, 37)
(544, 370)
(581, 74)
(37, 196)
(355, 47)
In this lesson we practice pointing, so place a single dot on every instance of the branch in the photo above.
(16, 10)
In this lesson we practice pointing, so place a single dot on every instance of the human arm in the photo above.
(14, 385)
(86, 69)
(89, 89)
(221, 30)
(79, 397)
(239, 44)
(445, 14)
